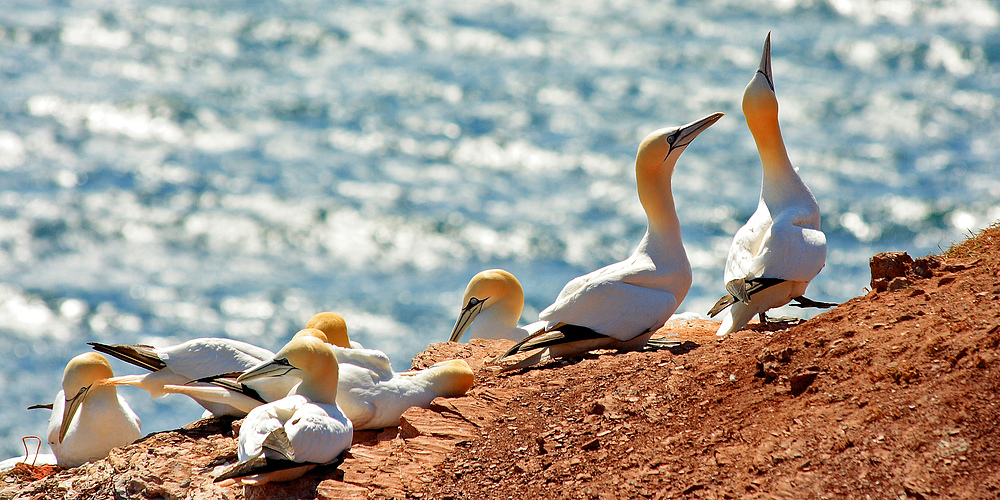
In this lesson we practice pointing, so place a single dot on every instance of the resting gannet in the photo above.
(493, 303)
(780, 248)
(284, 439)
(95, 419)
(373, 403)
(371, 397)
(334, 328)
(620, 306)
(192, 361)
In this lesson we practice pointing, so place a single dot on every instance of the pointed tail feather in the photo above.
(802, 301)
(561, 334)
(723, 303)
(216, 394)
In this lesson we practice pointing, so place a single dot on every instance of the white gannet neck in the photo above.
(654, 170)
(657, 199)
(495, 322)
(319, 383)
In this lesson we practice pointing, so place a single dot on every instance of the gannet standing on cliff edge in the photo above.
(282, 440)
(620, 306)
(781, 247)
(493, 302)
(89, 418)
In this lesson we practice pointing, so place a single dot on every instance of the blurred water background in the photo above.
(178, 169)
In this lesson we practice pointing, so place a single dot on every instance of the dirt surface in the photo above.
(890, 395)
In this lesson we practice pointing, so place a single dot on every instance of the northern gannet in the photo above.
(780, 248)
(94, 419)
(371, 397)
(493, 302)
(192, 361)
(284, 439)
(620, 306)
(334, 327)
(373, 403)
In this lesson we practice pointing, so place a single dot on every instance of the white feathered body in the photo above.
(318, 432)
(627, 298)
(102, 422)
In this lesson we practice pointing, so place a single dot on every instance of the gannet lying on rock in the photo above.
(284, 439)
(493, 302)
(89, 418)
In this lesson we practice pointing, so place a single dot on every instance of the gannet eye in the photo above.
(473, 302)
(671, 138)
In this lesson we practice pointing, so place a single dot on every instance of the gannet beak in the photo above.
(765, 62)
(274, 368)
(688, 132)
(72, 405)
(469, 313)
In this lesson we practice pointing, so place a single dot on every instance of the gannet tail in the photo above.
(216, 394)
(802, 301)
(142, 356)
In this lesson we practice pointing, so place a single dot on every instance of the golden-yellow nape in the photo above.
(333, 325)
(311, 332)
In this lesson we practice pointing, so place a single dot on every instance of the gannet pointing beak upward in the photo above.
(493, 302)
(621, 305)
(780, 248)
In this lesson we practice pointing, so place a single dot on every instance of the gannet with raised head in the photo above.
(620, 306)
(780, 248)
(369, 396)
(284, 439)
(89, 418)
(493, 302)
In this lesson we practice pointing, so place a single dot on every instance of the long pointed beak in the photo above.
(69, 411)
(469, 313)
(273, 368)
(691, 130)
(765, 62)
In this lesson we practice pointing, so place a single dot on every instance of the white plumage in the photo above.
(621, 305)
(282, 440)
(94, 419)
(780, 248)
(493, 302)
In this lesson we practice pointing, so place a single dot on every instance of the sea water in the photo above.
(171, 170)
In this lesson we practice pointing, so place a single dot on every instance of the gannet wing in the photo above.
(370, 359)
(319, 433)
(614, 308)
(789, 252)
(206, 357)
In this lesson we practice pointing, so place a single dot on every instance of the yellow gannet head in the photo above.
(452, 378)
(306, 358)
(662, 147)
(493, 289)
(334, 326)
(81, 373)
(759, 100)
(311, 332)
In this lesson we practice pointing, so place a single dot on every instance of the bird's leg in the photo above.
(763, 318)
